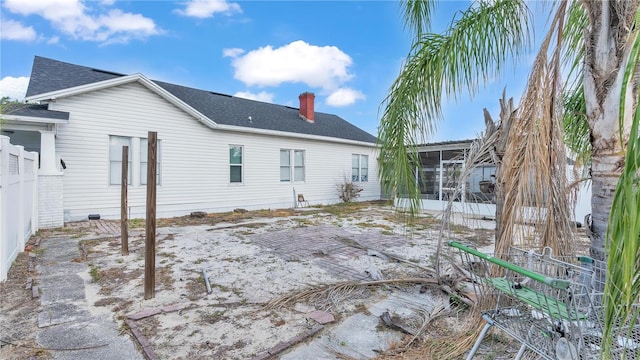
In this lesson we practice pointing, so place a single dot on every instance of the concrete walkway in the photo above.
(66, 327)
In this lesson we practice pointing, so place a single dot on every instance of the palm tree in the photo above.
(598, 41)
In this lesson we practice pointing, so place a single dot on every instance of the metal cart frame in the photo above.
(551, 305)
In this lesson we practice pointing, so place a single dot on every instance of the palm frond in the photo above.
(470, 53)
(417, 15)
(622, 287)
(535, 161)
(576, 128)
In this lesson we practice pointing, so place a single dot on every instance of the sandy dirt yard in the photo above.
(250, 259)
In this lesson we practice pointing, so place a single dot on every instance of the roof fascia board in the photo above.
(456, 146)
(77, 90)
(10, 125)
(293, 135)
(32, 119)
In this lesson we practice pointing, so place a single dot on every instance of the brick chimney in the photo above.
(306, 106)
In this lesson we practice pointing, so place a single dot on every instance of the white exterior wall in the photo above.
(51, 195)
(195, 160)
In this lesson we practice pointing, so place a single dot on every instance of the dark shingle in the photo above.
(50, 75)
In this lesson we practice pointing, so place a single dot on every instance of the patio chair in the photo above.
(301, 201)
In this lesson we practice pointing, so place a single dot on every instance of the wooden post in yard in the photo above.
(150, 238)
(124, 218)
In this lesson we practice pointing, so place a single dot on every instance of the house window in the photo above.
(235, 163)
(292, 169)
(144, 146)
(115, 159)
(298, 171)
(359, 167)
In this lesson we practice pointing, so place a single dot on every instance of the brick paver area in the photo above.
(99, 227)
(327, 245)
(108, 227)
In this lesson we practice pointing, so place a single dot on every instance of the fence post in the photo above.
(21, 190)
(4, 180)
(35, 221)
(150, 238)
(124, 219)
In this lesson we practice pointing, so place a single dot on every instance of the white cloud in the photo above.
(53, 40)
(261, 96)
(207, 8)
(323, 67)
(14, 30)
(73, 18)
(344, 97)
(232, 53)
(14, 87)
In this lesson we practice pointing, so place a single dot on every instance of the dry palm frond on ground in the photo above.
(329, 295)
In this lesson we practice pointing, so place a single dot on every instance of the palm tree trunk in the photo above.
(606, 57)
(603, 186)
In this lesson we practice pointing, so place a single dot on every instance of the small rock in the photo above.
(35, 292)
(374, 273)
(28, 248)
(322, 317)
(241, 211)
(198, 214)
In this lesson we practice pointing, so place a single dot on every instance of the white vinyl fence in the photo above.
(18, 201)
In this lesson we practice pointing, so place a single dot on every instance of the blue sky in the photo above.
(347, 52)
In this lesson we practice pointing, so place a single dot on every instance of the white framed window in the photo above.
(144, 148)
(292, 165)
(235, 164)
(359, 167)
(298, 163)
(115, 159)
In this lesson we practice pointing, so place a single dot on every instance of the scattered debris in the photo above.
(144, 313)
(322, 317)
(374, 273)
(338, 291)
(142, 340)
(35, 292)
(206, 281)
(198, 214)
(287, 344)
(441, 309)
(382, 256)
(395, 323)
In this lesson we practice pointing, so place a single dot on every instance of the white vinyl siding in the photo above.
(115, 159)
(195, 166)
(235, 164)
(298, 167)
(359, 168)
(144, 155)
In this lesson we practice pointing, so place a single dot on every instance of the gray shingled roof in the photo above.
(35, 111)
(50, 75)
